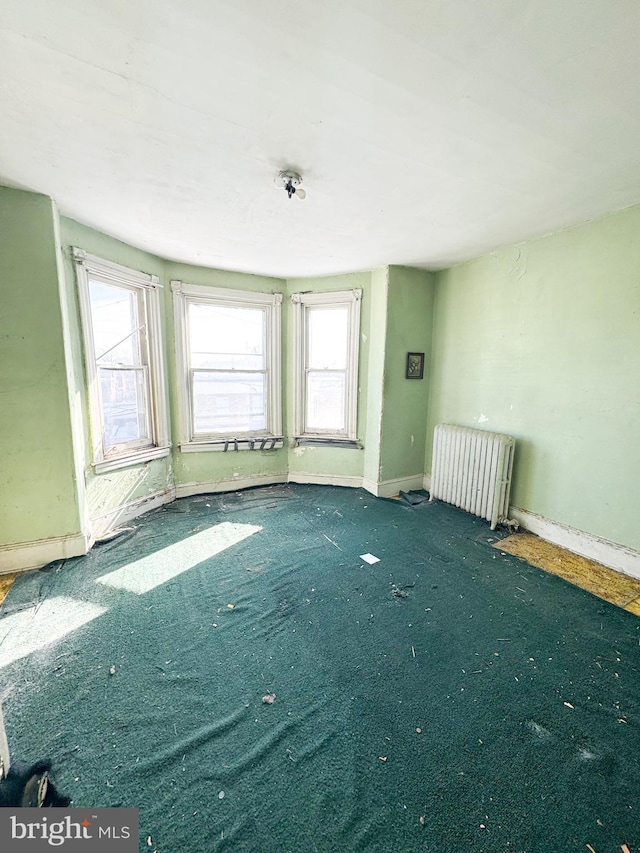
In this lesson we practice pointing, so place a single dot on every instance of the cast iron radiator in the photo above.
(471, 469)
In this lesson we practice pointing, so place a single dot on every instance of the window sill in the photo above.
(137, 458)
(326, 441)
(233, 445)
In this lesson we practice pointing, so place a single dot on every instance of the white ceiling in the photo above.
(427, 131)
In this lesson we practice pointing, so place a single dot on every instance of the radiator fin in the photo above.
(472, 470)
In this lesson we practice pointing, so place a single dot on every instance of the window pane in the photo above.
(226, 338)
(228, 402)
(327, 338)
(114, 316)
(326, 395)
(124, 405)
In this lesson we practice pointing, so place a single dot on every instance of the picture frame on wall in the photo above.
(415, 365)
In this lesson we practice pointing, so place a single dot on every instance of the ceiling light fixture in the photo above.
(290, 182)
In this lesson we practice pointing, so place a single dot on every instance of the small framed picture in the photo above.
(415, 365)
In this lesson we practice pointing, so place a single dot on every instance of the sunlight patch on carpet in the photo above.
(29, 630)
(157, 568)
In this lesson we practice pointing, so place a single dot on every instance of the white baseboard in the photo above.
(610, 554)
(121, 515)
(186, 490)
(324, 479)
(586, 544)
(370, 486)
(34, 555)
(116, 517)
(389, 488)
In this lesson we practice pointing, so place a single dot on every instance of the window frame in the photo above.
(146, 288)
(270, 438)
(302, 302)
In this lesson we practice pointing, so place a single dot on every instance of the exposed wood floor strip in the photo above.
(5, 585)
(606, 583)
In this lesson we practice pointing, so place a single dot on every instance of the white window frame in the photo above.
(301, 303)
(146, 286)
(270, 438)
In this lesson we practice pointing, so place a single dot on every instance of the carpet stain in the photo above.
(606, 583)
(5, 585)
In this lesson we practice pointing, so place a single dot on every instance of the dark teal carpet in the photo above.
(445, 699)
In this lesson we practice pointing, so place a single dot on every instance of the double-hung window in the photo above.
(124, 365)
(326, 332)
(228, 357)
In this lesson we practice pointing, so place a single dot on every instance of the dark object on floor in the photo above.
(414, 498)
(401, 591)
(29, 786)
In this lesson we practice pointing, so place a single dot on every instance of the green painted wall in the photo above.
(76, 407)
(408, 329)
(105, 492)
(38, 498)
(212, 467)
(374, 377)
(324, 460)
(542, 341)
